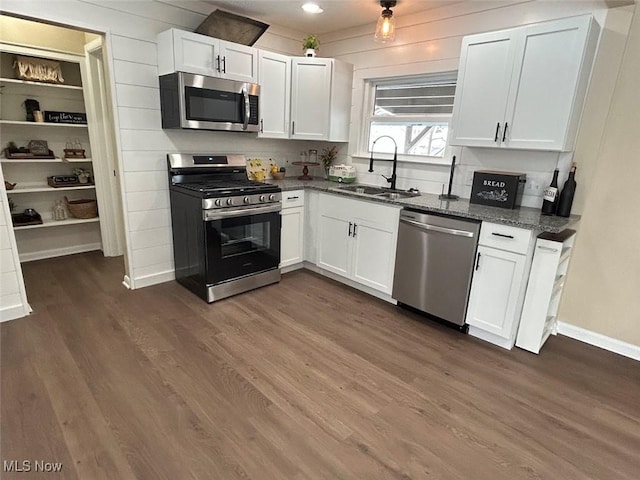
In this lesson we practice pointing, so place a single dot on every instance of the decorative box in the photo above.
(342, 173)
(497, 189)
(65, 117)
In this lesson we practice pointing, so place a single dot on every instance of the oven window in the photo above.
(240, 239)
(213, 106)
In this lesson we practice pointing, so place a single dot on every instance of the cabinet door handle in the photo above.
(355, 228)
(292, 198)
(350, 225)
(504, 133)
(224, 64)
(218, 63)
(261, 125)
(548, 249)
(495, 138)
(478, 261)
(293, 128)
(502, 235)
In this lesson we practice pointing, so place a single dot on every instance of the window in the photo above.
(414, 112)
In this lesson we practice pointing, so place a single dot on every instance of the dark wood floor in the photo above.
(306, 379)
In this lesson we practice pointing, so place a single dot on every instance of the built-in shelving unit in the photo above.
(30, 174)
(47, 188)
(544, 291)
(41, 124)
(58, 223)
(16, 81)
(35, 161)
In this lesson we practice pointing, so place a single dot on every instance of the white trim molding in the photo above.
(14, 312)
(599, 340)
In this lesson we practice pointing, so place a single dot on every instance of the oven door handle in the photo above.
(208, 215)
(247, 108)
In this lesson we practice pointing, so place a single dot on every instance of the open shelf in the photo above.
(58, 223)
(16, 81)
(25, 161)
(46, 188)
(42, 124)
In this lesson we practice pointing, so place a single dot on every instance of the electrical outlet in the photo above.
(533, 186)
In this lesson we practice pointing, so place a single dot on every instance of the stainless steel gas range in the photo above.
(226, 228)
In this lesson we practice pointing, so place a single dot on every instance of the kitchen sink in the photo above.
(380, 192)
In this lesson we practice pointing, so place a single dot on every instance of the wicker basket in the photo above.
(84, 208)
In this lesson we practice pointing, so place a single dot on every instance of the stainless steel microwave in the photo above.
(206, 103)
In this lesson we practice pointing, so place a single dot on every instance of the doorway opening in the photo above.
(59, 161)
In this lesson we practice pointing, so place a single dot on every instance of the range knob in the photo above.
(229, 201)
(218, 202)
(262, 198)
(246, 200)
(272, 197)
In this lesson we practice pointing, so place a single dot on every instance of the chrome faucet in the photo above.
(393, 177)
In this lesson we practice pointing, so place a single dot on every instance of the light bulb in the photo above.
(386, 27)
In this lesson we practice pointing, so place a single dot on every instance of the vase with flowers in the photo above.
(327, 157)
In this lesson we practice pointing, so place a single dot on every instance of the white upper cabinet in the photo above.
(524, 88)
(275, 93)
(481, 97)
(181, 51)
(239, 62)
(320, 99)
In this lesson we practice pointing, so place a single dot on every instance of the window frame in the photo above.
(369, 117)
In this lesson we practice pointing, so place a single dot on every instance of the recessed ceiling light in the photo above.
(312, 8)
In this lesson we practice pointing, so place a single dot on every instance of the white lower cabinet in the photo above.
(357, 240)
(499, 282)
(496, 282)
(292, 232)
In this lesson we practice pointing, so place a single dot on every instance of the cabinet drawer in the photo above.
(293, 198)
(505, 237)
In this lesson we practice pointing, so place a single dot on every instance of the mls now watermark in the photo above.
(31, 466)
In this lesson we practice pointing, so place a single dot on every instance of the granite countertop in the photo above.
(523, 217)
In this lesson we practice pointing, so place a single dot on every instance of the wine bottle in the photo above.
(550, 198)
(568, 192)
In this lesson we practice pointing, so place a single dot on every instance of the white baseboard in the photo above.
(599, 340)
(156, 278)
(291, 268)
(58, 252)
(126, 281)
(13, 312)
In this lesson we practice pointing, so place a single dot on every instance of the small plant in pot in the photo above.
(310, 45)
(83, 175)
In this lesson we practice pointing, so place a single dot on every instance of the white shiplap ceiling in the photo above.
(338, 14)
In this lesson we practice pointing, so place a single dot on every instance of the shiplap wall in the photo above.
(429, 42)
(132, 28)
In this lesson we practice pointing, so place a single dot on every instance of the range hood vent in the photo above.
(232, 27)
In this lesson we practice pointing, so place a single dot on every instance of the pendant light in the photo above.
(386, 28)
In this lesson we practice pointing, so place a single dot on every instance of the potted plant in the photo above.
(327, 156)
(83, 175)
(310, 45)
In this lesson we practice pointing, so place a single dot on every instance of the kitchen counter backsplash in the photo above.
(523, 217)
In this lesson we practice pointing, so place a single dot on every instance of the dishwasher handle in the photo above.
(435, 228)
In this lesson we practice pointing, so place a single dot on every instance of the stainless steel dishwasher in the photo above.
(434, 264)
